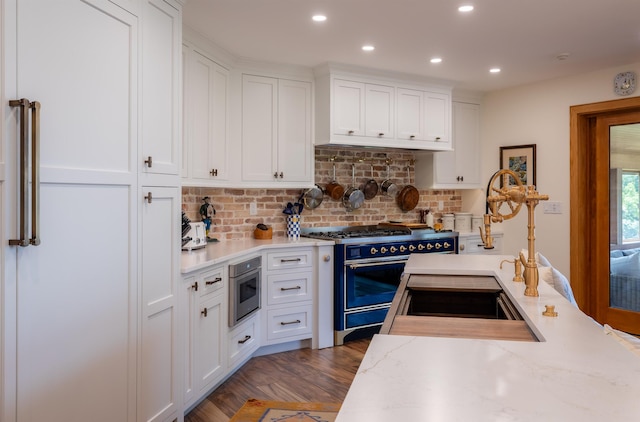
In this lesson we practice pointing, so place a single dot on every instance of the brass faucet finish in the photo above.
(513, 196)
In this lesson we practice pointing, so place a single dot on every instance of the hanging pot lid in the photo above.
(312, 197)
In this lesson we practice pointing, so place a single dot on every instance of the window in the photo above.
(630, 210)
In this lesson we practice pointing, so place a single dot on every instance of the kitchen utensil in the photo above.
(370, 187)
(312, 197)
(353, 197)
(388, 187)
(409, 196)
(333, 188)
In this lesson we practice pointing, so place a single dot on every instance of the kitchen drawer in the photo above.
(212, 280)
(473, 245)
(289, 287)
(291, 323)
(243, 340)
(294, 258)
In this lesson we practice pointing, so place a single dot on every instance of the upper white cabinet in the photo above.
(460, 168)
(206, 148)
(161, 87)
(276, 132)
(361, 111)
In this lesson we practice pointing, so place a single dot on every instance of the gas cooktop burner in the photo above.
(367, 233)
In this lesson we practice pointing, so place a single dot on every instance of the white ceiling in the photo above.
(522, 37)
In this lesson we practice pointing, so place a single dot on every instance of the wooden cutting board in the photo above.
(408, 225)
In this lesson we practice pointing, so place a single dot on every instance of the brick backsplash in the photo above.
(233, 220)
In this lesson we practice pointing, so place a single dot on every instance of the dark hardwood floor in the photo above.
(301, 375)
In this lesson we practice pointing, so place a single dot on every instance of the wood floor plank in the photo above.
(300, 375)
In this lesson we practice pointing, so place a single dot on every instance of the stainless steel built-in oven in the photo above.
(244, 289)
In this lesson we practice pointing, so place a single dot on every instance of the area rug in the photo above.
(279, 411)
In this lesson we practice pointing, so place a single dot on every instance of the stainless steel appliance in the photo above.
(369, 261)
(244, 289)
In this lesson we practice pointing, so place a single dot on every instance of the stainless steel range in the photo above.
(369, 261)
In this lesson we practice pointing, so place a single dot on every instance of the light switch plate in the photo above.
(552, 207)
(253, 208)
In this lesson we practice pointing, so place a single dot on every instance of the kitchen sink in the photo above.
(455, 306)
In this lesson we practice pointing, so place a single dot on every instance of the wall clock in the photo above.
(624, 83)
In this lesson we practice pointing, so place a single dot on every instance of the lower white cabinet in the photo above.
(205, 312)
(244, 339)
(288, 295)
(471, 244)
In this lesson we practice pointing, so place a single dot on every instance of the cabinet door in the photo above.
(188, 314)
(161, 87)
(379, 111)
(295, 155)
(160, 253)
(207, 104)
(466, 138)
(348, 108)
(70, 305)
(210, 346)
(259, 128)
(437, 119)
(410, 114)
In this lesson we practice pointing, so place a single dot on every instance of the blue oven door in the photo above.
(368, 284)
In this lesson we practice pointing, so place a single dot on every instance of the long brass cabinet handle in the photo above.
(23, 130)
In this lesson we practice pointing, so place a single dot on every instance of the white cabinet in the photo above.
(365, 111)
(288, 296)
(159, 388)
(243, 340)
(206, 149)
(361, 109)
(471, 244)
(276, 132)
(161, 87)
(424, 118)
(70, 306)
(460, 168)
(204, 331)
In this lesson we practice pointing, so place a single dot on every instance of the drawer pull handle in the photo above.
(244, 340)
(291, 260)
(297, 321)
(216, 280)
(290, 288)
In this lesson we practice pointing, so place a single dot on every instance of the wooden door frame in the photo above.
(588, 257)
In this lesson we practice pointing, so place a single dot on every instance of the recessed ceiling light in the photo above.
(495, 70)
(465, 8)
(368, 48)
(436, 60)
(319, 18)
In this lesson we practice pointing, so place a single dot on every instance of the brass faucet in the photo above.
(514, 197)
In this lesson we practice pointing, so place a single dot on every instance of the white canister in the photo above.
(463, 221)
(476, 222)
(447, 222)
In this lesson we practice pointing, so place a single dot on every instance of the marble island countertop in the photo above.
(574, 373)
(228, 250)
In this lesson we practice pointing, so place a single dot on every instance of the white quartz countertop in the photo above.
(228, 250)
(575, 373)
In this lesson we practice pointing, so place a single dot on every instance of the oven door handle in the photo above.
(354, 266)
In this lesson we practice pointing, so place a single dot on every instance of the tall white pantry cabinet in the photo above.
(88, 316)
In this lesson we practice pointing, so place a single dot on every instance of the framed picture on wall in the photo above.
(521, 159)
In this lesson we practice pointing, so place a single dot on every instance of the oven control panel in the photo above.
(376, 250)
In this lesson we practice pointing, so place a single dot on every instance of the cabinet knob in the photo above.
(380, 135)
(214, 172)
(275, 175)
(149, 197)
(462, 247)
(204, 312)
(281, 175)
(327, 258)
(437, 138)
(194, 286)
(412, 137)
(149, 162)
(350, 132)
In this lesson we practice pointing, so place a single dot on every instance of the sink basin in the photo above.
(455, 306)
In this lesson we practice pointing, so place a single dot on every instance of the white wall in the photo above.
(539, 114)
